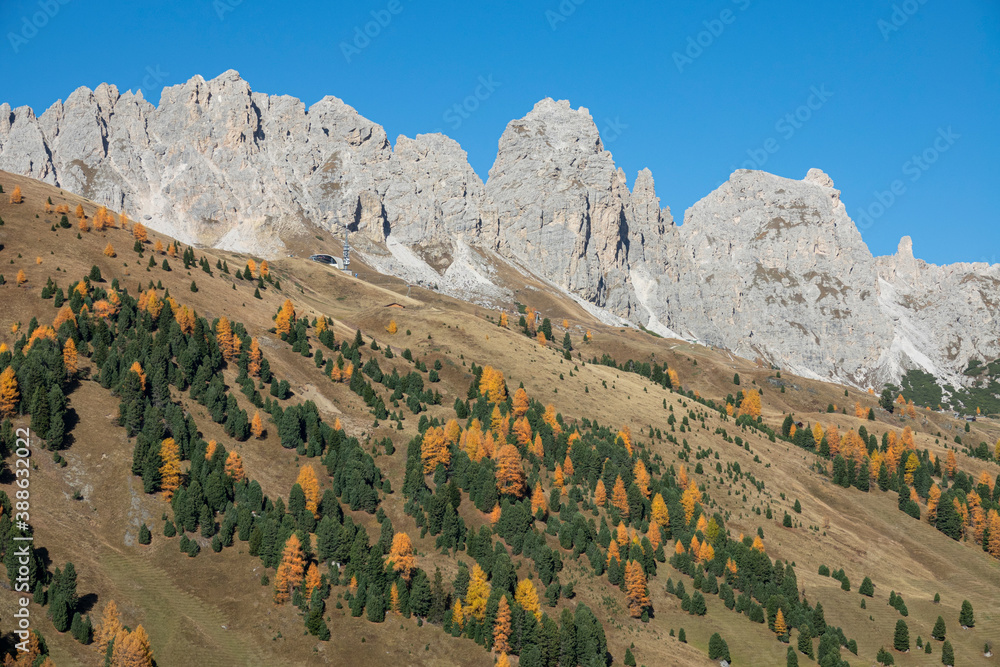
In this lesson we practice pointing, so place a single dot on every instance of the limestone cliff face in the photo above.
(773, 267)
(765, 266)
(562, 204)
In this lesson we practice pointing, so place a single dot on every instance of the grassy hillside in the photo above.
(93, 490)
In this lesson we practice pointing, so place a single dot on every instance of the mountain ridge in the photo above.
(241, 170)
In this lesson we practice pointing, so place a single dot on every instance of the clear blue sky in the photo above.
(889, 90)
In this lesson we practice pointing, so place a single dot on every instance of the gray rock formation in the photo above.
(765, 266)
(562, 204)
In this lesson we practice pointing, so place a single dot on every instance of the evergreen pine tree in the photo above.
(966, 618)
(939, 630)
(901, 638)
(947, 654)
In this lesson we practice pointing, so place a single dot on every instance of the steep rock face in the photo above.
(943, 315)
(215, 163)
(772, 267)
(562, 204)
(431, 194)
(764, 266)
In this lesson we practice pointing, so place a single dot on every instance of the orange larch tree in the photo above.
(401, 556)
(521, 402)
(536, 446)
(550, 418)
(9, 395)
(641, 478)
(257, 425)
(139, 232)
(625, 434)
(15, 195)
(170, 468)
(310, 487)
(210, 449)
(509, 474)
(291, 570)
(538, 501)
(136, 368)
(21, 278)
(285, 318)
(522, 431)
(313, 579)
(690, 498)
(109, 250)
(637, 593)
(950, 464)
(779, 623)
(229, 344)
(750, 404)
(600, 493)
(434, 449)
(108, 627)
(253, 362)
(659, 510)
(491, 385)
(619, 498)
(234, 466)
(501, 627)
(70, 357)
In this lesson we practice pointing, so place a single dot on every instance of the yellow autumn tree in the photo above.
(21, 278)
(538, 502)
(310, 487)
(285, 318)
(229, 344)
(641, 478)
(401, 556)
(291, 570)
(477, 594)
(619, 498)
(600, 493)
(109, 250)
(234, 467)
(526, 596)
(491, 385)
(503, 319)
(313, 579)
(254, 358)
(15, 195)
(501, 627)
(689, 499)
(509, 473)
(9, 395)
(392, 328)
(139, 232)
(108, 627)
(659, 510)
(750, 405)
(521, 403)
(637, 592)
(70, 357)
(257, 425)
(779, 624)
(434, 449)
(170, 467)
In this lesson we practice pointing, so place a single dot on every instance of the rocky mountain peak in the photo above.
(765, 266)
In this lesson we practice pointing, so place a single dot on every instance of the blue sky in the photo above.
(897, 101)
